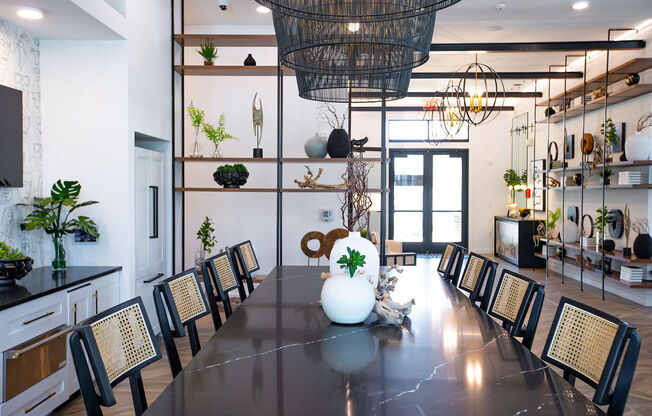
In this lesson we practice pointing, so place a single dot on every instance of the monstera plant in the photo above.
(53, 215)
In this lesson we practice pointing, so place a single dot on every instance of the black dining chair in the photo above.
(450, 264)
(478, 279)
(591, 345)
(219, 279)
(246, 263)
(119, 342)
(182, 298)
(514, 296)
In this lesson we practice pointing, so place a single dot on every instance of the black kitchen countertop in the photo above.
(43, 281)
(278, 354)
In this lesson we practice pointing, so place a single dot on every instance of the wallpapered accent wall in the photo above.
(20, 69)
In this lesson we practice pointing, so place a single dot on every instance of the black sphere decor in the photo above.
(609, 245)
(10, 270)
(549, 111)
(643, 246)
(339, 144)
(632, 79)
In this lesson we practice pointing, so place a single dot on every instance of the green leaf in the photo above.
(62, 190)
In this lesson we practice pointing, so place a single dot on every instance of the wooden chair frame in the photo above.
(244, 273)
(83, 334)
(212, 280)
(163, 292)
(534, 292)
(485, 279)
(623, 352)
(451, 272)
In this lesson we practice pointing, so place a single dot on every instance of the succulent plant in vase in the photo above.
(13, 264)
(231, 176)
(208, 51)
(352, 261)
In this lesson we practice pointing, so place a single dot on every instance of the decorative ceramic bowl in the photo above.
(230, 179)
(12, 270)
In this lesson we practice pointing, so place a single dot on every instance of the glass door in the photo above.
(428, 199)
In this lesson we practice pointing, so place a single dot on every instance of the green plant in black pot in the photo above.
(231, 176)
(53, 215)
(13, 264)
(208, 51)
(352, 261)
(605, 176)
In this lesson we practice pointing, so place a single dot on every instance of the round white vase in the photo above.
(347, 300)
(637, 147)
(315, 147)
(366, 248)
(570, 232)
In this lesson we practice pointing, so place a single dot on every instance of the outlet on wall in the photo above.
(326, 215)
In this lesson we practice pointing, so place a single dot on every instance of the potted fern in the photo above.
(13, 264)
(348, 297)
(53, 215)
(206, 240)
(231, 176)
(217, 134)
(208, 51)
(197, 117)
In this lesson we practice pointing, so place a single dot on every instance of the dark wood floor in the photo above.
(157, 376)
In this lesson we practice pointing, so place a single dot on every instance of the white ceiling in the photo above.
(63, 20)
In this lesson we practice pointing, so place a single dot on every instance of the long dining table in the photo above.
(279, 354)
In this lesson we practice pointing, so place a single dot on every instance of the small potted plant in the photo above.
(13, 264)
(217, 134)
(206, 240)
(197, 117)
(348, 297)
(208, 51)
(231, 176)
(597, 225)
(605, 176)
(611, 136)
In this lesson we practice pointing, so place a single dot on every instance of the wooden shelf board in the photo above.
(226, 159)
(227, 40)
(617, 165)
(189, 189)
(577, 188)
(295, 190)
(230, 70)
(615, 276)
(614, 98)
(616, 254)
(615, 75)
(325, 160)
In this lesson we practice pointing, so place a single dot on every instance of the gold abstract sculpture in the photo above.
(257, 117)
(310, 181)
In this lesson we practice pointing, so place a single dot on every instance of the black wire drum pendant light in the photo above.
(353, 88)
(335, 47)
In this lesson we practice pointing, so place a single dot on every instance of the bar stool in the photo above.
(243, 254)
(220, 276)
(450, 264)
(512, 300)
(184, 303)
(588, 344)
(478, 279)
(119, 342)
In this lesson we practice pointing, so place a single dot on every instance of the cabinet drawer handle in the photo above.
(158, 276)
(38, 317)
(49, 396)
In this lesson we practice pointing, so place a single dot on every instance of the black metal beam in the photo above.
(415, 108)
(598, 45)
(502, 75)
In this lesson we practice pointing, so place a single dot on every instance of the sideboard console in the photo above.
(513, 241)
(36, 318)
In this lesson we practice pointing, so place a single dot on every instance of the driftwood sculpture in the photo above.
(541, 233)
(310, 181)
(257, 117)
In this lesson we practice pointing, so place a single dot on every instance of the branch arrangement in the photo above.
(640, 226)
(644, 122)
(329, 116)
(356, 202)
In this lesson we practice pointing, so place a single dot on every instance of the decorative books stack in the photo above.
(558, 164)
(589, 242)
(629, 177)
(631, 274)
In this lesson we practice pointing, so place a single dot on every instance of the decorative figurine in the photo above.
(257, 117)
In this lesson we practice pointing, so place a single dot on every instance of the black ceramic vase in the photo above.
(11, 270)
(339, 144)
(643, 246)
(609, 245)
(249, 61)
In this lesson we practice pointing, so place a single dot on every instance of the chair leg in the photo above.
(528, 337)
(138, 393)
(242, 292)
(91, 401)
(250, 283)
(227, 306)
(166, 333)
(194, 338)
(210, 295)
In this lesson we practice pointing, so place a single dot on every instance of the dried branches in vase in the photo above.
(644, 122)
(328, 115)
(356, 201)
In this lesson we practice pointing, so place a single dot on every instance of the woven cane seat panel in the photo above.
(582, 341)
(123, 341)
(187, 297)
(224, 273)
(510, 297)
(472, 273)
(249, 258)
(444, 258)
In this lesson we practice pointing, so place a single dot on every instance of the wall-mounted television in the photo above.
(11, 137)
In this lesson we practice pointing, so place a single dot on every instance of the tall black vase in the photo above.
(339, 144)
(643, 246)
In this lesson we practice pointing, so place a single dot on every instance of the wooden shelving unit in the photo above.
(230, 70)
(577, 188)
(616, 254)
(227, 40)
(326, 160)
(283, 190)
(270, 160)
(616, 165)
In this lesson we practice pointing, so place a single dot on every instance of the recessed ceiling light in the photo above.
(262, 9)
(30, 13)
(580, 5)
(501, 6)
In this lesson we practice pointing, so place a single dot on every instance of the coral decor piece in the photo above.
(310, 181)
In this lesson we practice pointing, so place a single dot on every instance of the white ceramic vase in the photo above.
(315, 147)
(347, 300)
(637, 147)
(365, 247)
(570, 232)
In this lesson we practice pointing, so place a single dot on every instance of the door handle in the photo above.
(154, 190)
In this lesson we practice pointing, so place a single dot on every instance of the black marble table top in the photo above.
(43, 280)
(279, 354)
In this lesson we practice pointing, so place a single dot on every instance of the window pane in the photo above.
(408, 182)
(437, 132)
(446, 183)
(408, 129)
(408, 226)
(446, 227)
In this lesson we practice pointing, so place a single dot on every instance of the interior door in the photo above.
(141, 188)
(429, 198)
(156, 213)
